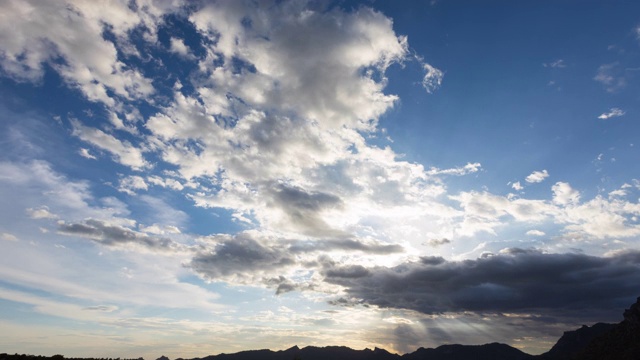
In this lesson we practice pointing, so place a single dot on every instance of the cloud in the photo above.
(520, 282)
(8, 237)
(564, 194)
(537, 176)
(177, 46)
(41, 213)
(613, 112)
(317, 64)
(432, 78)
(556, 64)
(516, 186)
(132, 183)
(535, 233)
(464, 170)
(73, 44)
(123, 152)
(117, 236)
(241, 258)
(438, 242)
(86, 154)
(101, 308)
(165, 182)
(609, 76)
(255, 258)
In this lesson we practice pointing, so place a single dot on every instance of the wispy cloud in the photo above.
(432, 78)
(612, 113)
(609, 75)
(558, 64)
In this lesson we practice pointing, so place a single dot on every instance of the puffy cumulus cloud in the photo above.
(41, 213)
(601, 218)
(596, 219)
(165, 182)
(537, 176)
(515, 282)
(178, 46)
(130, 184)
(483, 211)
(69, 37)
(318, 64)
(612, 113)
(564, 194)
(113, 235)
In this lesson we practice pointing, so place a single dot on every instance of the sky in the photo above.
(192, 178)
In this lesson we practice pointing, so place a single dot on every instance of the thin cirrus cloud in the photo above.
(612, 113)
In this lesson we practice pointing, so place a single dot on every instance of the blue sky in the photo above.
(204, 177)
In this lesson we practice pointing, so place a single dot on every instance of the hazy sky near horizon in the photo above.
(191, 178)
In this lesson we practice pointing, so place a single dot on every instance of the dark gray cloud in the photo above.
(346, 245)
(240, 256)
(438, 242)
(251, 256)
(114, 235)
(521, 281)
(304, 209)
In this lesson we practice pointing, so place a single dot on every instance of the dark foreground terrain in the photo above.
(598, 342)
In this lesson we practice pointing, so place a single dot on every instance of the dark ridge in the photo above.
(573, 342)
(492, 351)
(620, 343)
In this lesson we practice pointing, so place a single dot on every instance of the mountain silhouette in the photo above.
(493, 351)
(573, 342)
(620, 343)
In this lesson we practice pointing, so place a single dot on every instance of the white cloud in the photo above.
(464, 170)
(613, 112)
(8, 237)
(317, 65)
(537, 176)
(123, 152)
(31, 37)
(178, 46)
(432, 78)
(516, 186)
(165, 182)
(86, 154)
(535, 233)
(132, 183)
(41, 213)
(564, 194)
